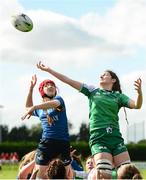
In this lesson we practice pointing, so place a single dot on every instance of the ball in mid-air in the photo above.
(22, 22)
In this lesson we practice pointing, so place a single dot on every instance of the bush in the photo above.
(20, 147)
(137, 152)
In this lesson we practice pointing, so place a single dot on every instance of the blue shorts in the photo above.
(49, 149)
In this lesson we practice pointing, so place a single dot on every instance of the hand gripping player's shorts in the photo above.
(107, 140)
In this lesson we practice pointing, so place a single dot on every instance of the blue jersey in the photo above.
(76, 166)
(59, 127)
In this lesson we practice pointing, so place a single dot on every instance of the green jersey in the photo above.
(104, 107)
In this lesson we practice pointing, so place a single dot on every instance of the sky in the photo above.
(78, 38)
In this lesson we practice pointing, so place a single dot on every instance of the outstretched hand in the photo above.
(28, 114)
(41, 66)
(137, 85)
(33, 81)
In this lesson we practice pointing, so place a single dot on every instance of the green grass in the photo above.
(143, 172)
(11, 171)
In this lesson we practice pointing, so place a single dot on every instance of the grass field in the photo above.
(143, 172)
(11, 171)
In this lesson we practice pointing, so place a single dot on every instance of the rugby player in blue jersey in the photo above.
(52, 114)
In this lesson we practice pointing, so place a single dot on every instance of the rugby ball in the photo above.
(22, 22)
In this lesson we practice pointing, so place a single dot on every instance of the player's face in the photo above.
(49, 89)
(89, 164)
(106, 78)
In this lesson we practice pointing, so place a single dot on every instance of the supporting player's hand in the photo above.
(41, 66)
(137, 85)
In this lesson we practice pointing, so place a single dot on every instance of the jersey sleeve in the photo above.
(59, 98)
(87, 90)
(60, 108)
(36, 113)
(124, 100)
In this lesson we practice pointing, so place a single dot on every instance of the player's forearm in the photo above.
(59, 76)
(75, 84)
(139, 101)
(29, 100)
(41, 106)
(47, 105)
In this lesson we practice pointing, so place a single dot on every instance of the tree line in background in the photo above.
(23, 133)
(13, 140)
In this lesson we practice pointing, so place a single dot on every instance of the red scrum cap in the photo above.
(42, 85)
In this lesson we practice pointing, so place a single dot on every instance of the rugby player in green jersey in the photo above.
(106, 142)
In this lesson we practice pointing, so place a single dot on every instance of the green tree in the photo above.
(83, 132)
(19, 134)
(5, 132)
(143, 141)
(35, 132)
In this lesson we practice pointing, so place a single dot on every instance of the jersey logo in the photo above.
(109, 130)
(40, 157)
(50, 120)
(55, 117)
(102, 147)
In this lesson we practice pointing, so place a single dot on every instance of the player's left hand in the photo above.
(41, 66)
(137, 85)
(28, 114)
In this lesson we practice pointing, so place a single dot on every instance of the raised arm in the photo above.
(75, 84)
(29, 99)
(138, 103)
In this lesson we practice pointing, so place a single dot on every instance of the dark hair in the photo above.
(117, 87)
(56, 169)
(130, 171)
